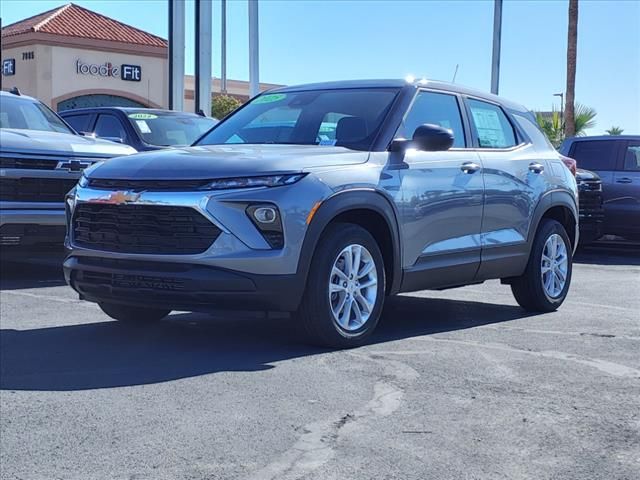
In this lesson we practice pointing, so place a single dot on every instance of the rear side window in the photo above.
(80, 123)
(491, 125)
(632, 157)
(595, 154)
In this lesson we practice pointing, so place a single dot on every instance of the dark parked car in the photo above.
(590, 205)
(616, 159)
(142, 128)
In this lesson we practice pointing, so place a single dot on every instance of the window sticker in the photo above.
(327, 142)
(270, 98)
(143, 127)
(489, 128)
(142, 116)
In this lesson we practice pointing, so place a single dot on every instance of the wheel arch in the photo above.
(369, 209)
(561, 206)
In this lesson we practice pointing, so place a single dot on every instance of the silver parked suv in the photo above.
(323, 199)
(40, 161)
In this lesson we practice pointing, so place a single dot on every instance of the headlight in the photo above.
(253, 182)
(84, 178)
(83, 182)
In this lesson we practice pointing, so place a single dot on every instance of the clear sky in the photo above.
(307, 40)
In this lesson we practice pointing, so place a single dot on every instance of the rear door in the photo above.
(513, 188)
(625, 206)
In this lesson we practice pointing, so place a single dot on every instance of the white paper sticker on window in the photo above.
(489, 128)
(142, 125)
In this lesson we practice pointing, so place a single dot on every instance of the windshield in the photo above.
(25, 114)
(169, 129)
(348, 117)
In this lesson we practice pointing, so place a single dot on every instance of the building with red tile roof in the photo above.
(71, 57)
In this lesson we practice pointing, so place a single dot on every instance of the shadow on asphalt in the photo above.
(20, 270)
(609, 254)
(113, 354)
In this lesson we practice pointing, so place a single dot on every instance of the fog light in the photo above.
(266, 218)
(265, 214)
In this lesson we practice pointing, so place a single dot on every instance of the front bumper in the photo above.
(29, 227)
(180, 286)
(591, 229)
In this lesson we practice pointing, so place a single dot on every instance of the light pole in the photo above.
(203, 43)
(495, 56)
(176, 54)
(254, 69)
(561, 95)
(223, 47)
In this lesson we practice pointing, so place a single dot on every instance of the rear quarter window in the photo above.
(594, 154)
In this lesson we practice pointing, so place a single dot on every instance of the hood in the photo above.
(39, 142)
(586, 175)
(224, 161)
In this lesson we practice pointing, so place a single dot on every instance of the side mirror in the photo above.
(432, 138)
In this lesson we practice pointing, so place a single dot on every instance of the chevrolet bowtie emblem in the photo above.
(72, 165)
(119, 198)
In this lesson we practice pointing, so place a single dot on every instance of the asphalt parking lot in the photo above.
(460, 384)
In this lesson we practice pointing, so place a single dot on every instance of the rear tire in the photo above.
(545, 283)
(335, 284)
(130, 314)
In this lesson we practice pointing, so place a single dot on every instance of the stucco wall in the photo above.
(26, 77)
(66, 81)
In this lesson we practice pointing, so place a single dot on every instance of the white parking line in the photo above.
(46, 297)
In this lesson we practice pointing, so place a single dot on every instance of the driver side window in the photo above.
(437, 109)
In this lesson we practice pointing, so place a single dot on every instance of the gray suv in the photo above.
(322, 200)
(40, 161)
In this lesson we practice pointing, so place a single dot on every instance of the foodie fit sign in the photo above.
(130, 73)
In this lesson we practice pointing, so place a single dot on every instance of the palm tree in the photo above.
(614, 131)
(554, 128)
(572, 48)
(584, 119)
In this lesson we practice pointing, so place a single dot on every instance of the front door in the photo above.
(624, 200)
(442, 197)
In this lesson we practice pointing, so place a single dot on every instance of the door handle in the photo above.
(469, 167)
(536, 167)
(624, 180)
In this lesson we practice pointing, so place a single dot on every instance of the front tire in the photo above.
(343, 299)
(130, 314)
(545, 283)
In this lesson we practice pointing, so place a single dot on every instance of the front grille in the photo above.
(152, 185)
(35, 189)
(146, 229)
(28, 163)
(590, 186)
(31, 234)
(590, 203)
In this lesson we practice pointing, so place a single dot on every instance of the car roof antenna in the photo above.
(15, 91)
(201, 113)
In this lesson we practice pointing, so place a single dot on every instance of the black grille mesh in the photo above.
(147, 229)
(35, 189)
